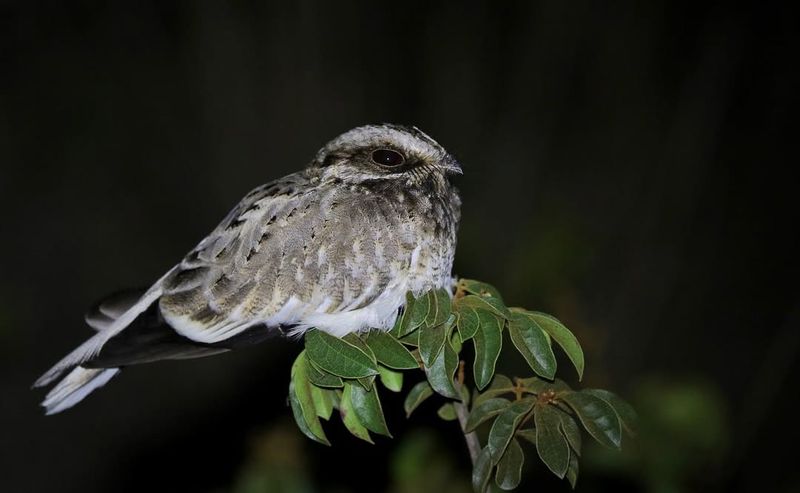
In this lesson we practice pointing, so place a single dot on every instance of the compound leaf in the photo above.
(488, 342)
(494, 305)
(367, 406)
(302, 401)
(390, 352)
(530, 340)
(392, 380)
(479, 288)
(500, 385)
(442, 371)
(338, 356)
(349, 417)
(485, 411)
(482, 471)
(431, 341)
(416, 396)
(322, 378)
(551, 444)
(509, 469)
(468, 321)
(625, 412)
(447, 412)
(597, 416)
(563, 336)
(505, 425)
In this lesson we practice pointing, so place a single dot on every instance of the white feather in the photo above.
(94, 344)
(79, 383)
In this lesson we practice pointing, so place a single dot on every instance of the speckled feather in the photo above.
(335, 246)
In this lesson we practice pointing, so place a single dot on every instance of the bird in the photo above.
(335, 246)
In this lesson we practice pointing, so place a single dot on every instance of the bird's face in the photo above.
(386, 154)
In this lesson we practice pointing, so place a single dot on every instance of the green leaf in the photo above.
(493, 305)
(479, 288)
(563, 337)
(440, 307)
(528, 434)
(455, 339)
(431, 342)
(531, 342)
(468, 321)
(505, 425)
(349, 417)
(297, 412)
(366, 382)
(625, 412)
(488, 342)
(572, 470)
(571, 431)
(551, 444)
(501, 384)
(367, 406)
(597, 416)
(302, 401)
(482, 471)
(447, 412)
(390, 352)
(392, 380)
(484, 411)
(357, 341)
(411, 339)
(337, 356)
(538, 385)
(323, 401)
(442, 371)
(418, 313)
(509, 469)
(322, 378)
(416, 396)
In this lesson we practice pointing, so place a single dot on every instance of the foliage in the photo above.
(340, 374)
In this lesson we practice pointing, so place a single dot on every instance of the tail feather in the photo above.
(79, 383)
(103, 313)
(93, 345)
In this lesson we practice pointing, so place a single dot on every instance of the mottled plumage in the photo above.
(335, 246)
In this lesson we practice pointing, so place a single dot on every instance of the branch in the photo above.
(340, 373)
(471, 438)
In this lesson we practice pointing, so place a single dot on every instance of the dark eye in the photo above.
(387, 157)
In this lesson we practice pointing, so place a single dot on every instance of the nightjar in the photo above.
(335, 246)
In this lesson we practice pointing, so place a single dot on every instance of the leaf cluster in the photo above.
(429, 335)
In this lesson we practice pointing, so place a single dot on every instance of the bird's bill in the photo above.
(451, 166)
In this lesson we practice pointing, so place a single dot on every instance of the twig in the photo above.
(473, 445)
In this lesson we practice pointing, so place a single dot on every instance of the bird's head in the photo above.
(387, 154)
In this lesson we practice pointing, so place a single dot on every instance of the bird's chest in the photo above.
(431, 259)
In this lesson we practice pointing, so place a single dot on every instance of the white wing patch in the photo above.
(209, 334)
(74, 387)
(94, 344)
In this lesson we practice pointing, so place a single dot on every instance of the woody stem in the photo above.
(473, 445)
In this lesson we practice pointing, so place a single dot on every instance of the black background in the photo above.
(627, 167)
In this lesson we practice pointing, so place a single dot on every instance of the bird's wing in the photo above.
(178, 281)
(103, 313)
(290, 251)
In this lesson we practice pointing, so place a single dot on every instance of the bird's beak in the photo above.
(451, 167)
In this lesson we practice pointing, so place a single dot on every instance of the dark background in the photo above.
(627, 168)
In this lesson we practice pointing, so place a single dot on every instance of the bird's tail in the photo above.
(78, 383)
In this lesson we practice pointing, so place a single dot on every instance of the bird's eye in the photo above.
(387, 157)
